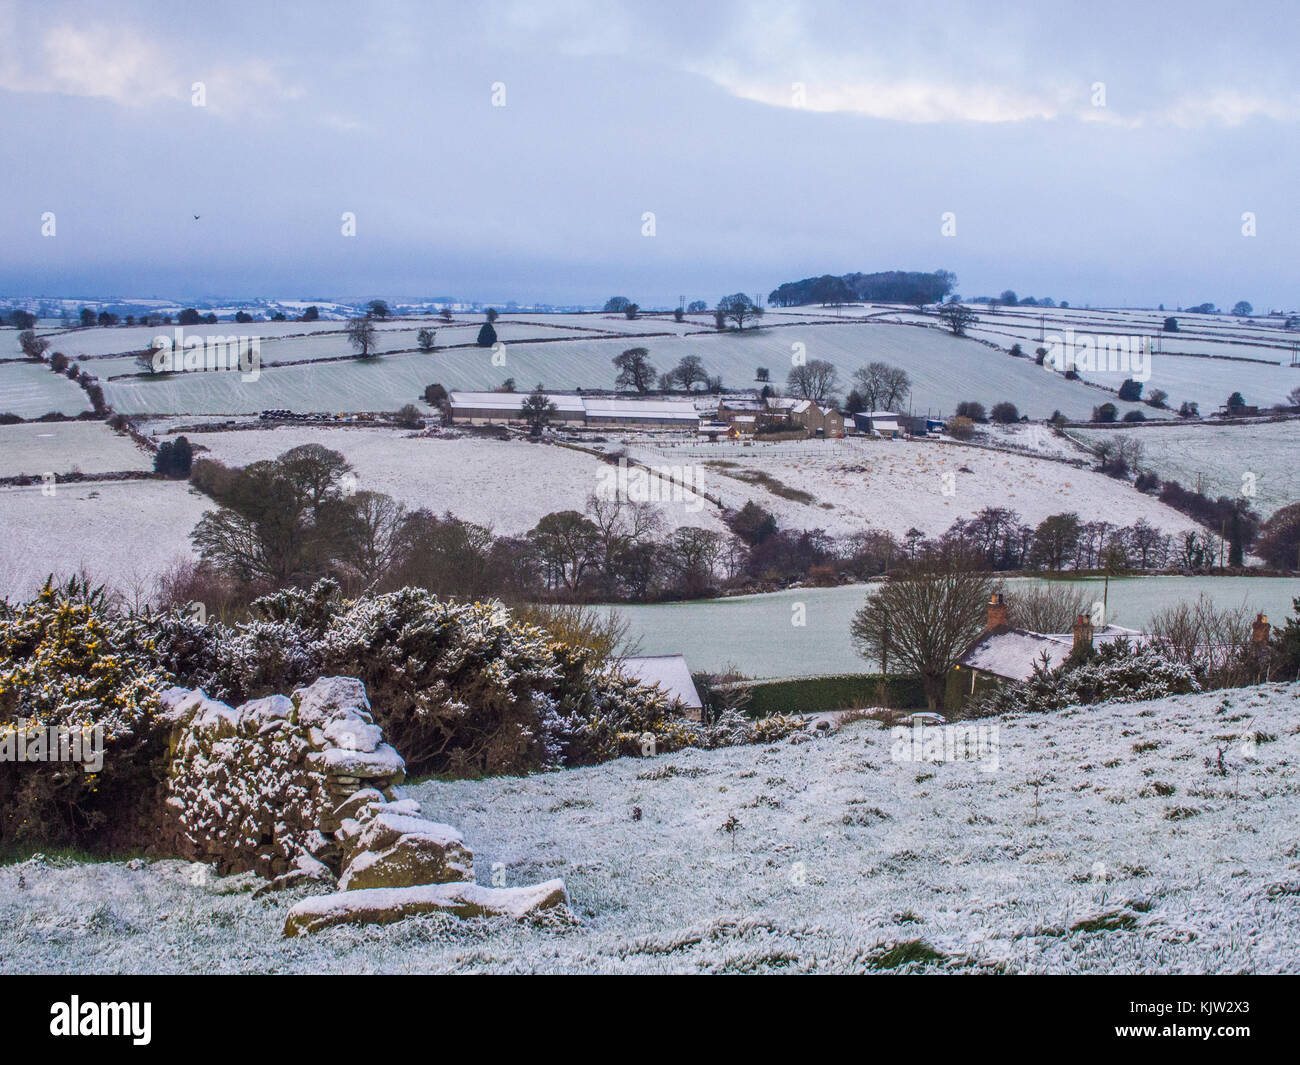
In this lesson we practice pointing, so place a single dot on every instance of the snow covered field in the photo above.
(66, 447)
(30, 389)
(1223, 455)
(507, 485)
(862, 484)
(123, 533)
(1099, 840)
(944, 370)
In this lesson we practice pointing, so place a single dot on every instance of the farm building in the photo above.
(884, 422)
(483, 408)
(671, 675)
(818, 420)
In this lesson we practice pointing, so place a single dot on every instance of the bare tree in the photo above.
(959, 318)
(1047, 607)
(882, 386)
(373, 525)
(924, 618)
(815, 379)
(739, 308)
(362, 336)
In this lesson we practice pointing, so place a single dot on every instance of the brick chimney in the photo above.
(1082, 635)
(997, 613)
(1259, 632)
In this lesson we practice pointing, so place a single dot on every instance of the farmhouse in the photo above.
(818, 420)
(670, 674)
(487, 408)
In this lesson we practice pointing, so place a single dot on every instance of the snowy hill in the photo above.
(1105, 839)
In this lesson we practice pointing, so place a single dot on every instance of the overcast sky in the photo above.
(771, 141)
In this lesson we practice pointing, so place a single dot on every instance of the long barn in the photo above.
(485, 408)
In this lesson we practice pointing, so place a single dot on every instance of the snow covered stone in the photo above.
(414, 859)
(332, 699)
(354, 735)
(257, 714)
(383, 762)
(388, 905)
(350, 806)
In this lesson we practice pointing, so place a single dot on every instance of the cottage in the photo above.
(818, 420)
(1005, 653)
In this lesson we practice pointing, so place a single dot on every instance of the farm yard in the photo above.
(1094, 840)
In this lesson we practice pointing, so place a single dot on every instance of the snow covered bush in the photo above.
(459, 688)
(67, 661)
(1117, 672)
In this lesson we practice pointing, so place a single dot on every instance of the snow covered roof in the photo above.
(1013, 653)
(658, 409)
(592, 406)
(669, 672)
(510, 401)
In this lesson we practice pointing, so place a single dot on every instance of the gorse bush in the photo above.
(1117, 671)
(67, 660)
(460, 688)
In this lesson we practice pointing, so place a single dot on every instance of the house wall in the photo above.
(957, 689)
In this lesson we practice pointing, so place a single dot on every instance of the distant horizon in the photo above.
(550, 153)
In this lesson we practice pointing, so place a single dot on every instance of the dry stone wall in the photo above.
(305, 788)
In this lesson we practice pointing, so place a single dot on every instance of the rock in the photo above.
(414, 859)
(354, 735)
(349, 807)
(331, 699)
(305, 869)
(388, 905)
(258, 713)
(384, 762)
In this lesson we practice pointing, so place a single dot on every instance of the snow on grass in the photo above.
(1102, 842)
(122, 533)
(30, 389)
(505, 484)
(862, 484)
(944, 370)
(67, 447)
(1221, 456)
